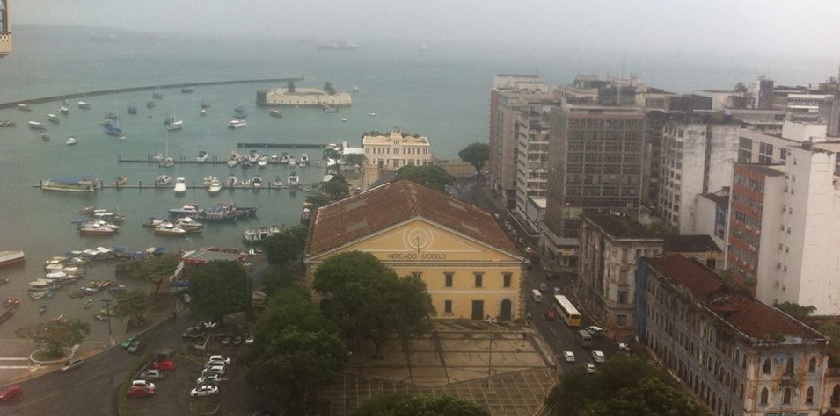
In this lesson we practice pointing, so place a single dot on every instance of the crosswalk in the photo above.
(15, 363)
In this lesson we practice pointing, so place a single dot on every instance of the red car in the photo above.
(140, 391)
(550, 315)
(165, 365)
(11, 392)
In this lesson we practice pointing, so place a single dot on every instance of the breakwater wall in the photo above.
(145, 88)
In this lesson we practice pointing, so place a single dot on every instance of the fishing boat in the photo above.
(237, 123)
(98, 228)
(294, 180)
(53, 118)
(170, 229)
(71, 141)
(85, 183)
(189, 210)
(42, 309)
(163, 180)
(35, 125)
(225, 211)
(12, 257)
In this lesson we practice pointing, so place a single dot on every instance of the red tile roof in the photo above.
(393, 203)
(746, 314)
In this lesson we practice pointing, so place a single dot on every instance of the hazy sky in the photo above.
(740, 26)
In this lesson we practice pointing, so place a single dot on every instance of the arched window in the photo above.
(789, 367)
(809, 396)
(812, 365)
(786, 400)
(765, 368)
(765, 396)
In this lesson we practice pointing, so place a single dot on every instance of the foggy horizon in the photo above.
(723, 28)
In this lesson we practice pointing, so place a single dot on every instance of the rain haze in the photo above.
(710, 26)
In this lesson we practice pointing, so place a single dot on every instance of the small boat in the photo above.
(157, 94)
(275, 113)
(202, 156)
(214, 187)
(170, 229)
(232, 181)
(175, 125)
(189, 210)
(263, 162)
(150, 104)
(71, 141)
(372, 114)
(294, 180)
(240, 113)
(24, 107)
(202, 112)
(83, 105)
(237, 122)
(304, 160)
(180, 186)
(52, 117)
(344, 119)
(163, 180)
(205, 104)
(64, 110)
(120, 181)
(36, 125)
(88, 304)
(278, 182)
(42, 309)
(7, 123)
(188, 89)
(44, 136)
(112, 130)
(256, 182)
(355, 89)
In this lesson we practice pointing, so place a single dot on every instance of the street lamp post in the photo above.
(107, 303)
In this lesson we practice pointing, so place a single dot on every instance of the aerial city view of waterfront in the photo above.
(110, 131)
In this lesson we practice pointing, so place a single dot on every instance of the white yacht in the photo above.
(180, 185)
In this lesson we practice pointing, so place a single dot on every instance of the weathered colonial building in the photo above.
(471, 267)
(738, 355)
(397, 149)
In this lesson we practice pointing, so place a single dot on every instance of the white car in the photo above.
(205, 390)
(208, 379)
(595, 330)
(598, 356)
(214, 369)
(590, 368)
(143, 383)
(226, 360)
(569, 356)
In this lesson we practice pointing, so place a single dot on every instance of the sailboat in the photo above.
(174, 123)
(167, 161)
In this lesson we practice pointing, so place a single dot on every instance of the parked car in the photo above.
(237, 340)
(71, 364)
(205, 390)
(135, 346)
(226, 340)
(598, 356)
(214, 363)
(623, 347)
(595, 330)
(213, 369)
(11, 392)
(249, 339)
(143, 383)
(224, 359)
(569, 356)
(590, 368)
(165, 365)
(140, 391)
(193, 333)
(151, 375)
(213, 379)
(125, 344)
(543, 287)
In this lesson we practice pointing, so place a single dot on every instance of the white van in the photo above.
(536, 296)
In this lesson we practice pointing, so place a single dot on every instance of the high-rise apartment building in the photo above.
(596, 154)
(532, 160)
(510, 105)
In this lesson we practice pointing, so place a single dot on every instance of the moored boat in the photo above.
(64, 110)
(12, 257)
(202, 156)
(189, 210)
(36, 125)
(294, 180)
(84, 183)
(170, 229)
(163, 180)
(71, 141)
(237, 123)
(53, 118)
(275, 113)
(214, 187)
(83, 105)
(24, 107)
(180, 185)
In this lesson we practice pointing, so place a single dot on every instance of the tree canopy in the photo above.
(476, 154)
(328, 88)
(350, 280)
(157, 269)
(55, 335)
(795, 310)
(622, 386)
(355, 159)
(419, 405)
(218, 288)
(336, 188)
(432, 176)
(296, 348)
(132, 304)
(282, 249)
(291, 86)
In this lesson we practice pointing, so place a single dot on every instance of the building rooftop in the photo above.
(620, 227)
(396, 202)
(749, 316)
(696, 243)
(767, 169)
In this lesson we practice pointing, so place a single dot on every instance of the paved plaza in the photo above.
(488, 363)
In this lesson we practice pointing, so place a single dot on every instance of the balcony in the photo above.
(5, 44)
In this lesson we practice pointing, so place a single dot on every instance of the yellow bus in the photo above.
(567, 311)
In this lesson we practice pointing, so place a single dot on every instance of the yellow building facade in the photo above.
(471, 268)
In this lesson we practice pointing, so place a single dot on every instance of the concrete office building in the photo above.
(596, 154)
